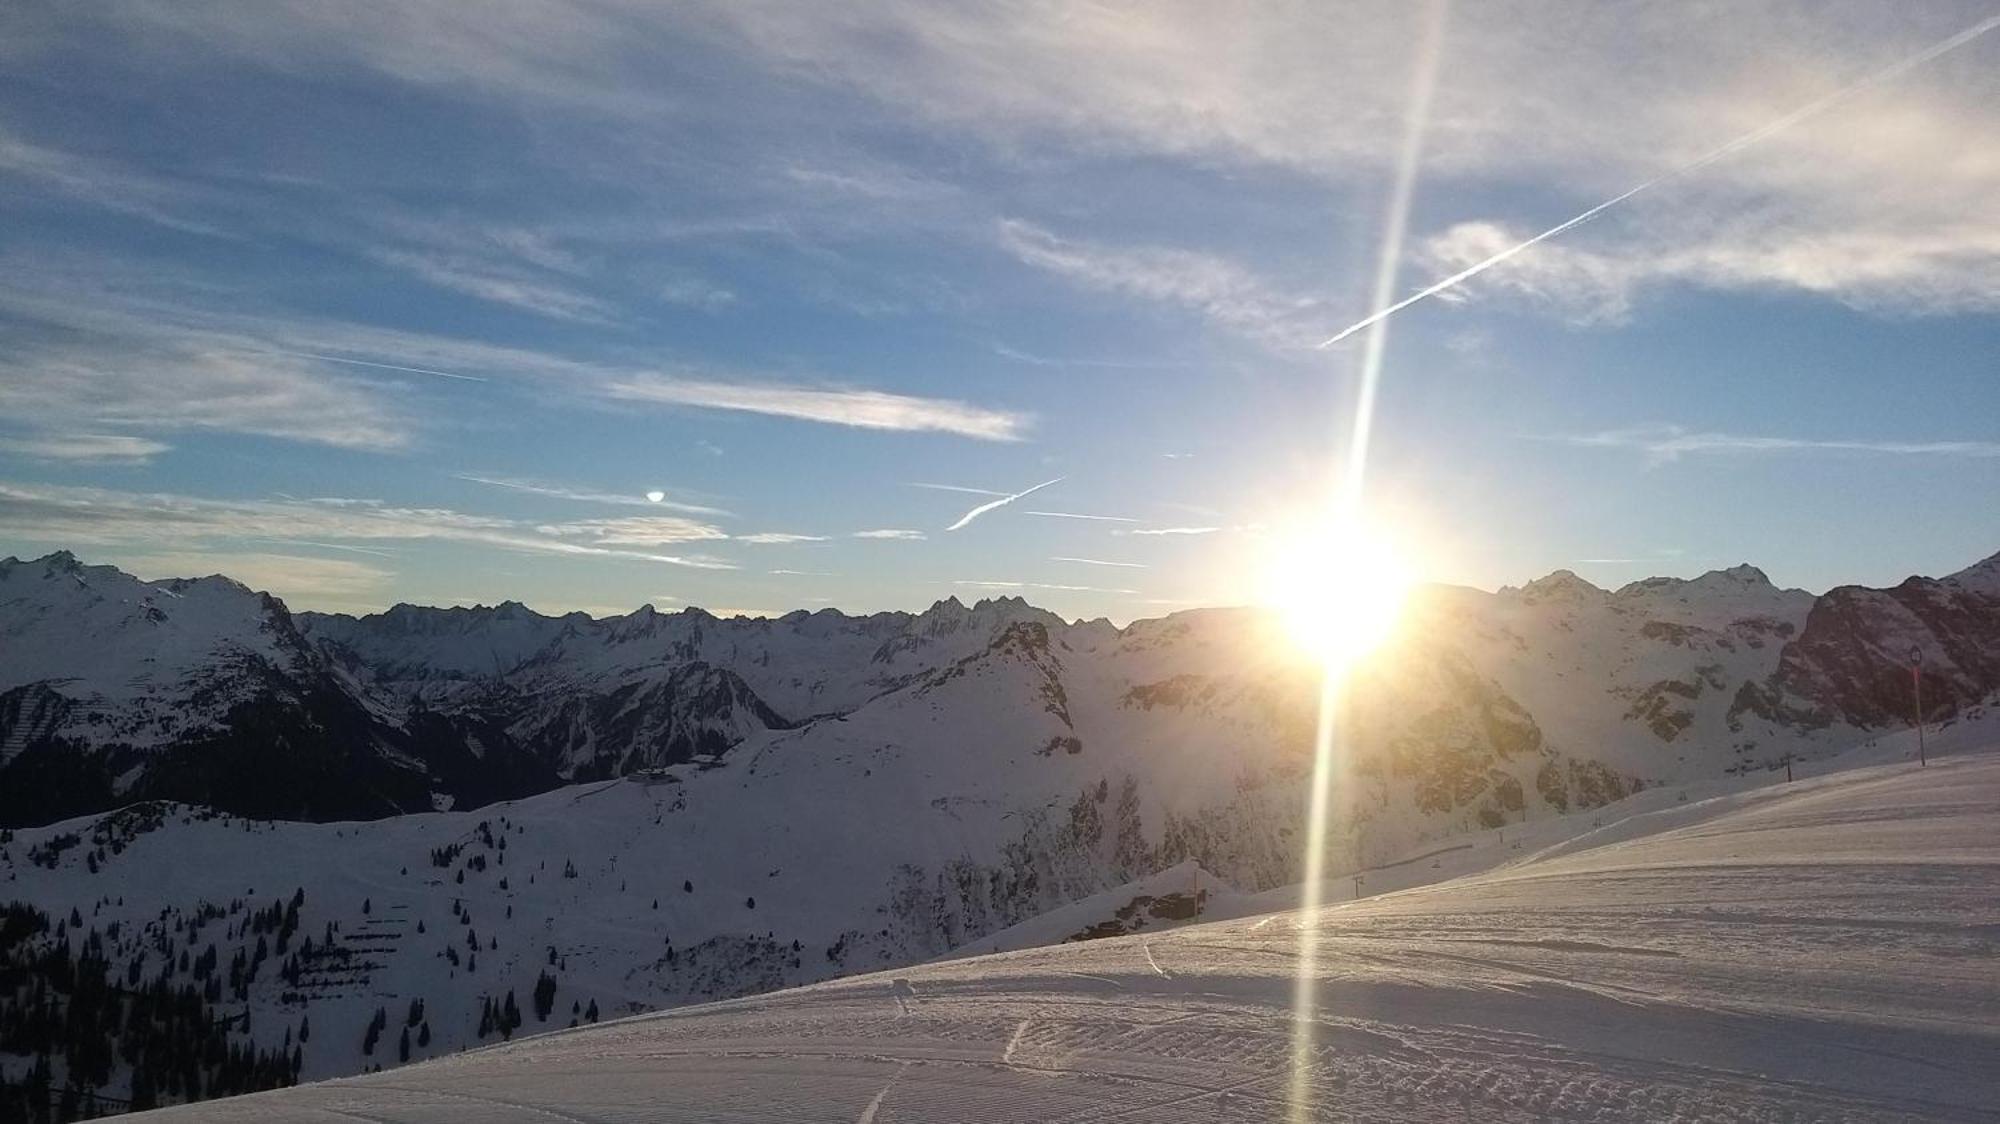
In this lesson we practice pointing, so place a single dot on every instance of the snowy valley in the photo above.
(364, 841)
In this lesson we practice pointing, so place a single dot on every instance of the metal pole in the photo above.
(1917, 693)
(1918, 671)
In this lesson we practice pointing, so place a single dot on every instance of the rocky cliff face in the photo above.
(1852, 662)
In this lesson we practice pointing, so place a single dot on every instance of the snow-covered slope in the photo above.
(884, 789)
(1824, 950)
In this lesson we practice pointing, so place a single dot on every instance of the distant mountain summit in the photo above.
(114, 689)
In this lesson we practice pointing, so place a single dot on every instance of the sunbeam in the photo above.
(1344, 508)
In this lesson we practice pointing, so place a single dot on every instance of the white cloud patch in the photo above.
(863, 409)
(85, 448)
(891, 533)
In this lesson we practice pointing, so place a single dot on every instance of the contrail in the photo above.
(1001, 502)
(1080, 515)
(379, 366)
(956, 488)
(1764, 132)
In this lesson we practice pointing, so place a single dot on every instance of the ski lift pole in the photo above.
(1917, 694)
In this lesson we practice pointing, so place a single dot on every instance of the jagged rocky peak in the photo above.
(998, 612)
(1562, 587)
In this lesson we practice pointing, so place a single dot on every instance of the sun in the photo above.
(1338, 588)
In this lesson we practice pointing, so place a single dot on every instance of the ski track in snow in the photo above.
(1827, 952)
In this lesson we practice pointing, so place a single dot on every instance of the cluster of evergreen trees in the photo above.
(95, 1018)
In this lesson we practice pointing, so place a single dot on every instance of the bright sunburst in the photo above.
(1339, 589)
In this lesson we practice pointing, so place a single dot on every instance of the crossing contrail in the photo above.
(380, 366)
(1001, 502)
(1819, 105)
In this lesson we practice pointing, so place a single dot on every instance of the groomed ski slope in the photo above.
(1826, 950)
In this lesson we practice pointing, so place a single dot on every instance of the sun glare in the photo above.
(1338, 590)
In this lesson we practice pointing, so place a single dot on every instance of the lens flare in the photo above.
(1339, 591)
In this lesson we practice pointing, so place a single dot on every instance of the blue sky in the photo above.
(420, 302)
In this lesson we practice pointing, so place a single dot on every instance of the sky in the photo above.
(747, 305)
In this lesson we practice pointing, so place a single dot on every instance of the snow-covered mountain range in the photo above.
(114, 689)
(659, 808)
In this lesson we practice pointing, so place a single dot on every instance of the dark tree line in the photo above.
(98, 1017)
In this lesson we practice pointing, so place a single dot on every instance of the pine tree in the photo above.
(375, 1028)
(510, 1015)
(403, 1046)
(545, 996)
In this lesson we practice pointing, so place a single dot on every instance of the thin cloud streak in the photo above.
(82, 448)
(1080, 515)
(1003, 501)
(891, 533)
(584, 495)
(332, 546)
(1100, 562)
(1039, 585)
(1764, 132)
(1666, 444)
(861, 409)
(1169, 531)
(87, 516)
(777, 538)
(956, 488)
(380, 366)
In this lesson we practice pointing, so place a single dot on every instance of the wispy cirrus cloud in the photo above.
(891, 533)
(1168, 531)
(85, 448)
(179, 388)
(588, 495)
(861, 409)
(636, 530)
(103, 183)
(84, 516)
(1664, 444)
(1224, 292)
(488, 283)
